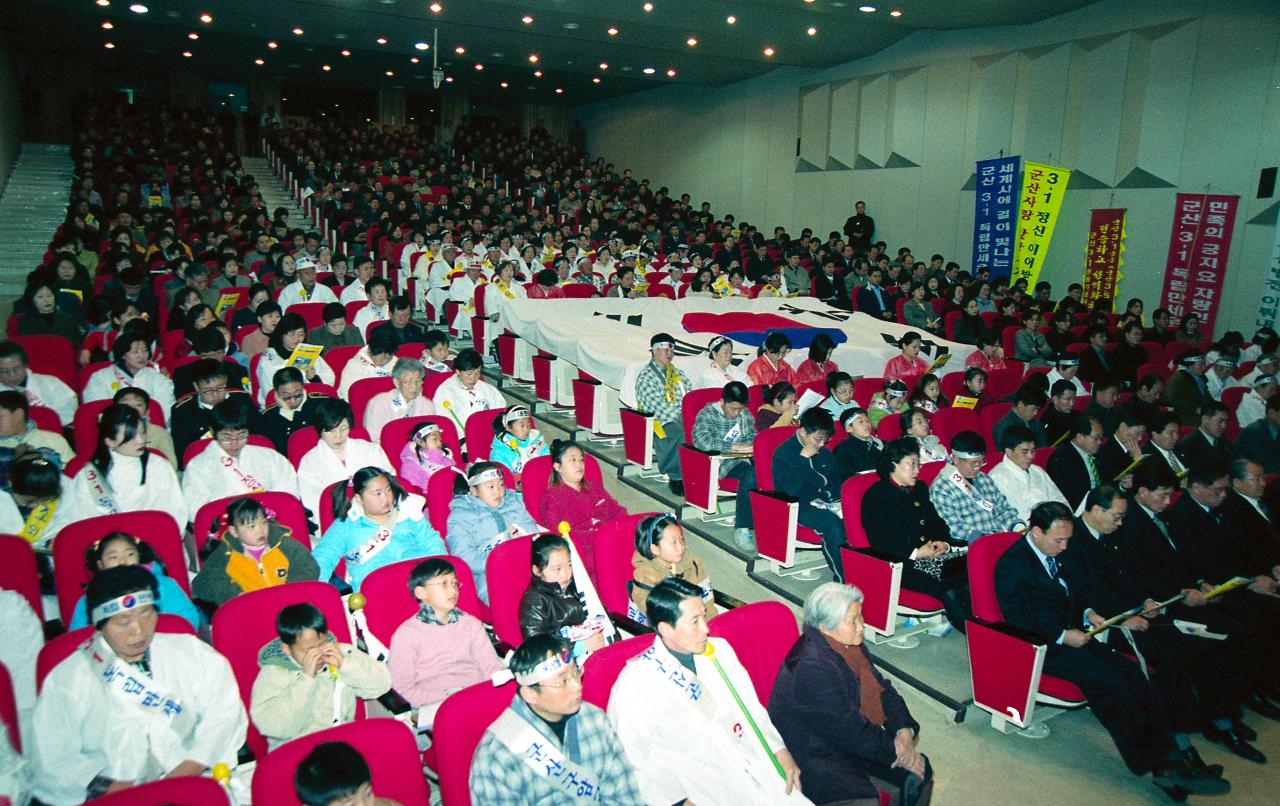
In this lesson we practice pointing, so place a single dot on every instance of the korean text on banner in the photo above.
(994, 212)
(1103, 256)
(1197, 264)
(1043, 187)
(1269, 307)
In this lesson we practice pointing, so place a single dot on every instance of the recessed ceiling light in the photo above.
(341, 36)
(537, 73)
(436, 8)
(138, 8)
(193, 36)
(108, 45)
(326, 68)
(414, 60)
(533, 58)
(812, 31)
(107, 26)
(612, 32)
(671, 74)
(691, 41)
(769, 51)
(345, 52)
(104, 3)
(298, 32)
(421, 46)
(504, 85)
(604, 65)
(186, 54)
(866, 9)
(571, 26)
(391, 72)
(648, 7)
(479, 66)
(259, 62)
(648, 71)
(808, 1)
(595, 80)
(382, 40)
(497, 54)
(559, 90)
(895, 13)
(449, 79)
(206, 18)
(459, 50)
(527, 20)
(272, 45)
(731, 19)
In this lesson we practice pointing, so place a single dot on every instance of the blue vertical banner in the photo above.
(995, 215)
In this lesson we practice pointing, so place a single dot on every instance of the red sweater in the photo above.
(584, 509)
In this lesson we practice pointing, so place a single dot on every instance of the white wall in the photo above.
(1184, 90)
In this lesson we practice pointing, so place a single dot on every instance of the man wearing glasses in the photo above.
(230, 466)
(293, 410)
(39, 390)
(191, 423)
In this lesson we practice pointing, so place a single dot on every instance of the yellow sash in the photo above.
(38, 521)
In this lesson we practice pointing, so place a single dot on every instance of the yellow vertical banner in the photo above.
(1043, 187)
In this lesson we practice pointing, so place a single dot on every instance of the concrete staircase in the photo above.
(32, 206)
(274, 192)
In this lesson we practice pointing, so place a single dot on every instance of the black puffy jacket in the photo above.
(545, 608)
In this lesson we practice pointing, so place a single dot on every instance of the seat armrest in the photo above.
(701, 472)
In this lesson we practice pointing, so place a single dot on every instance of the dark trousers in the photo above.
(1182, 667)
(902, 787)
(831, 529)
(745, 474)
(666, 454)
(1119, 697)
(952, 590)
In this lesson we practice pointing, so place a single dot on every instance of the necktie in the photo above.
(1094, 479)
(1051, 565)
(1174, 464)
(1164, 530)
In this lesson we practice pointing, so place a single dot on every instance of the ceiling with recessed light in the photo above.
(558, 51)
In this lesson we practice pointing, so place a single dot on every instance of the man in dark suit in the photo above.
(209, 343)
(1073, 466)
(1260, 440)
(1207, 444)
(1042, 593)
(1120, 449)
(1094, 362)
(1186, 390)
(1252, 525)
(293, 410)
(192, 415)
(1026, 402)
(1161, 447)
(1062, 404)
(1103, 406)
(873, 299)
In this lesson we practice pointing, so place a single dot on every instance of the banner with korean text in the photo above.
(1269, 307)
(1043, 187)
(1103, 259)
(993, 215)
(1197, 263)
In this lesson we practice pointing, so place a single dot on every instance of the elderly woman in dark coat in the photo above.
(844, 723)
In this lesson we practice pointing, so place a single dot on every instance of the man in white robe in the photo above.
(1253, 406)
(378, 292)
(374, 360)
(356, 291)
(305, 288)
(39, 390)
(230, 466)
(436, 279)
(463, 291)
(1023, 483)
(1067, 368)
(465, 393)
(131, 368)
(405, 400)
(685, 732)
(130, 705)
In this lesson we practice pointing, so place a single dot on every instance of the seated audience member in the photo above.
(818, 365)
(1222, 363)
(251, 551)
(547, 714)
(484, 517)
(464, 393)
(1253, 406)
(18, 434)
(132, 367)
(291, 332)
(561, 602)
(1208, 443)
(1073, 465)
(1042, 591)
(269, 316)
(246, 316)
(436, 356)
(1267, 364)
(915, 423)
(804, 469)
(209, 344)
(927, 396)
(440, 649)
(969, 326)
(192, 414)
(569, 497)
(230, 466)
(1029, 343)
(132, 705)
(860, 451)
(335, 774)
(546, 285)
(1056, 418)
(1020, 480)
(378, 525)
(38, 389)
(158, 438)
(515, 440)
(624, 285)
(891, 400)
(1027, 402)
(335, 332)
(1129, 354)
(839, 394)
(968, 499)
(117, 549)
(900, 520)
(1102, 407)
(779, 408)
(873, 298)
(989, 356)
(43, 318)
(1258, 537)
(295, 409)
(405, 399)
(375, 360)
(661, 552)
(975, 390)
(1260, 441)
(853, 735)
(362, 272)
(725, 427)
(307, 681)
(908, 364)
(660, 388)
(1066, 367)
(1145, 400)
(1186, 390)
(424, 455)
(1094, 362)
(1120, 450)
(678, 745)
(99, 340)
(918, 312)
(305, 289)
(378, 292)
(462, 291)
(337, 455)
(1161, 448)
(38, 504)
(770, 366)
(121, 475)
(401, 325)
(719, 369)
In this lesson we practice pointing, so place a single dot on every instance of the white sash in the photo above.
(246, 480)
(959, 480)
(544, 758)
(525, 452)
(590, 599)
(135, 691)
(685, 682)
(101, 492)
(362, 554)
(31, 396)
(122, 380)
(383, 371)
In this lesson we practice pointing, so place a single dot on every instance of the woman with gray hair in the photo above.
(846, 726)
(404, 399)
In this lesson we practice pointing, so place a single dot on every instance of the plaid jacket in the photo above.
(960, 509)
(499, 778)
(650, 395)
(713, 431)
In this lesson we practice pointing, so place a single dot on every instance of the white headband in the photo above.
(662, 345)
(129, 601)
(490, 474)
(967, 454)
(548, 668)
